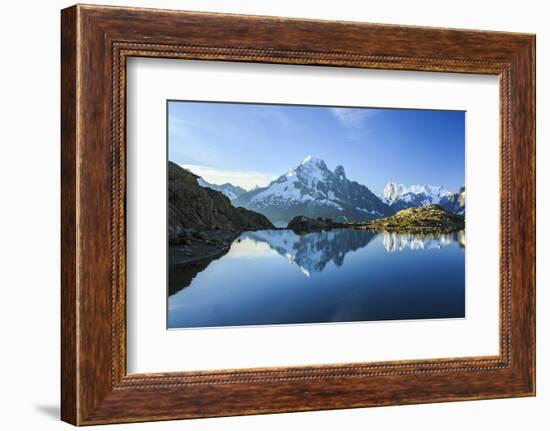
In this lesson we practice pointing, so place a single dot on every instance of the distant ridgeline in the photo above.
(400, 197)
(312, 190)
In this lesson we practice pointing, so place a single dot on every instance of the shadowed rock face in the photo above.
(192, 208)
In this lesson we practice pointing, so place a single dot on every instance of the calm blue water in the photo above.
(343, 275)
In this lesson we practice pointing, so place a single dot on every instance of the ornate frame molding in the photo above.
(96, 41)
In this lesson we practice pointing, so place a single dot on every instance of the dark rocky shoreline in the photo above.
(195, 245)
(200, 244)
(202, 222)
(192, 244)
(193, 251)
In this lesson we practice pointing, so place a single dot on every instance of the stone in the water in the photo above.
(304, 224)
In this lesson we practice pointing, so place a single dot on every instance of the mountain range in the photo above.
(400, 197)
(311, 189)
(228, 189)
(455, 202)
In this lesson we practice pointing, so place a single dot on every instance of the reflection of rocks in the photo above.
(181, 274)
(399, 241)
(301, 224)
(311, 252)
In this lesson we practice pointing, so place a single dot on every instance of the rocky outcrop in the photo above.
(428, 219)
(307, 224)
(204, 214)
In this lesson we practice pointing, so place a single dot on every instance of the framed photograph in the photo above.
(293, 241)
(263, 214)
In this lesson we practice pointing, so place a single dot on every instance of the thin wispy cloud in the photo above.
(354, 121)
(351, 118)
(245, 179)
(275, 116)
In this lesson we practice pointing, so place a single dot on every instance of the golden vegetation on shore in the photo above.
(431, 218)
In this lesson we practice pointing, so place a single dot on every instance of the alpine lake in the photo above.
(275, 277)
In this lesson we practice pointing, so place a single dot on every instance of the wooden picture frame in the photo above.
(95, 43)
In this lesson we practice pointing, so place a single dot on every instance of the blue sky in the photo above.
(252, 144)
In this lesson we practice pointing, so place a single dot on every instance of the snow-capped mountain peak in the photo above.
(417, 194)
(312, 189)
(310, 171)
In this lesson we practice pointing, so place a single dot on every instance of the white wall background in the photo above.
(29, 216)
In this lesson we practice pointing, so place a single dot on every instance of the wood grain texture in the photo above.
(69, 367)
(96, 41)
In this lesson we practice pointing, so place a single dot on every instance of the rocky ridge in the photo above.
(202, 221)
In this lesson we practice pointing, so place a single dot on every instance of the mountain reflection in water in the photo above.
(341, 275)
(400, 241)
(311, 252)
